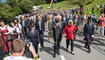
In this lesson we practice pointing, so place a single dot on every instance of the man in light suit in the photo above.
(58, 29)
(88, 32)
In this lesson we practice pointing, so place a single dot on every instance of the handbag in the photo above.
(92, 39)
(9, 38)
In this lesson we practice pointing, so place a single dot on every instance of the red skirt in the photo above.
(5, 45)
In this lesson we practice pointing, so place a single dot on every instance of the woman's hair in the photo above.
(70, 21)
(48, 18)
(3, 21)
(11, 23)
(16, 20)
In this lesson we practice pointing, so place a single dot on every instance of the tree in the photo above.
(26, 5)
(6, 13)
(13, 8)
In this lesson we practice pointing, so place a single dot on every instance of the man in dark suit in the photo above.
(40, 26)
(22, 22)
(88, 32)
(58, 29)
(33, 36)
(28, 23)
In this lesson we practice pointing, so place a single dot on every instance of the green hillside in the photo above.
(66, 5)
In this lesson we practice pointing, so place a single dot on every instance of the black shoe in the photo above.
(41, 50)
(58, 53)
(54, 55)
(86, 47)
(89, 51)
(42, 46)
(72, 53)
(67, 49)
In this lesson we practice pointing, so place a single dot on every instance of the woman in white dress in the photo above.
(19, 28)
(15, 31)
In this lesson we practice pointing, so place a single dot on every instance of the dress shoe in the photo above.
(54, 55)
(58, 53)
(72, 53)
(89, 51)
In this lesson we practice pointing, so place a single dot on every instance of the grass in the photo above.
(93, 4)
(59, 5)
(66, 5)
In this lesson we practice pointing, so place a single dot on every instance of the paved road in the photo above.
(97, 50)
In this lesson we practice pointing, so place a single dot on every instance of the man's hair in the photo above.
(18, 45)
(90, 19)
(59, 16)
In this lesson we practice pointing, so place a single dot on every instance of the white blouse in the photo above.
(8, 28)
(19, 28)
(15, 29)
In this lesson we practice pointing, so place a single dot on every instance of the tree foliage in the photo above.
(26, 5)
(6, 12)
(14, 8)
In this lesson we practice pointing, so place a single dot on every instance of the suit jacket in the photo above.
(69, 31)
(42, 25)
(57, 30)
(28, 23)
(33, 37)
(88, 30)
(33, 22)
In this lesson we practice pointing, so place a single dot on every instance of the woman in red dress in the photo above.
(5, 45)
(69, 31)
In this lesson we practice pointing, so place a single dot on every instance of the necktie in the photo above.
(32, 31)
(60, 25)
(40, 25)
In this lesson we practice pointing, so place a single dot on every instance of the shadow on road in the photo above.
(94, 43)
(46, 36)
(48, 41)
(75, 45)
(48, 50)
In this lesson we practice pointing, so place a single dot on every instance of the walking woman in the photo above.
(15, 31)
(69, 31)
(18, 25)
(5, 44)
(49, 27)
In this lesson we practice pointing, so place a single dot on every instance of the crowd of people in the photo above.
(28, 30)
